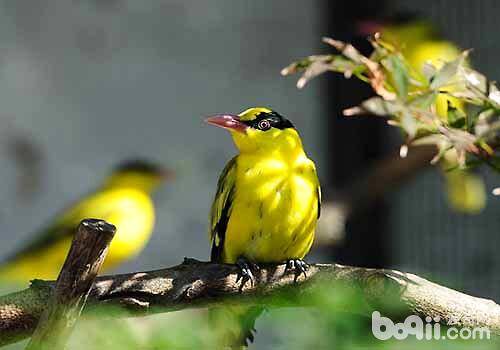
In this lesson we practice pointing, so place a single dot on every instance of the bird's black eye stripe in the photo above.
(264, 121)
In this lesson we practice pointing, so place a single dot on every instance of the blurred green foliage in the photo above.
(337, 317)
(337, 320)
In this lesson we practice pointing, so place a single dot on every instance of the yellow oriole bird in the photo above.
(419, 43)
(123, 200)
(267, 202)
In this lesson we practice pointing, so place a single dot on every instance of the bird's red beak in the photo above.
(227, 121)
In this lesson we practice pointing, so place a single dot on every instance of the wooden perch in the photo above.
(86, 255)
(199, 284)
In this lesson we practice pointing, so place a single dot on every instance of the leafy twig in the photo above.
(408, 98)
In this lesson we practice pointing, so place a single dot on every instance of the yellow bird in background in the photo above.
(419, 42)
(266, 205)
(123, 200)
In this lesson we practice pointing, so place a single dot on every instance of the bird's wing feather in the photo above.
(41, 240)
(94, 206)
(221, 208)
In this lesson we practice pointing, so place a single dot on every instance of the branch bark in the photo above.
(195, 284)
(85, 258)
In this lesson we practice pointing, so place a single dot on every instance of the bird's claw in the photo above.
(299, 267)
(245, 274)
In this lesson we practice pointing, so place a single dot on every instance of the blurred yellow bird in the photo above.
(267, 201)
(123, 200)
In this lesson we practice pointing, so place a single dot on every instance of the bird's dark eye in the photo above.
(264, 125)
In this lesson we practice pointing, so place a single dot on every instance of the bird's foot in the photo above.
(299, 267)
(245, 274)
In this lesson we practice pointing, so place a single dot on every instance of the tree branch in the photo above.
(196, 284)
(85, 258)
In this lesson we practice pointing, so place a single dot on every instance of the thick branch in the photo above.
(200, 284)
(86, 255)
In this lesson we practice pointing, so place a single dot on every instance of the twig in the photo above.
(86, 255)
(196, 284)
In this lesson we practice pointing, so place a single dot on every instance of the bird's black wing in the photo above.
(221, 209)
(318, 193)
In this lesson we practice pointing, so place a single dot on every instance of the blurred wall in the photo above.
(95, 82)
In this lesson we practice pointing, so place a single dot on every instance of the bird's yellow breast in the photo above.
(275, 208)
(134, 219)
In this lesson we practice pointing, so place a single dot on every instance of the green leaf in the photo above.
(379, 106)
(409, 124)
(488, 125)
(494, 95)
(475, 80)
(428, 70)
(424, 101)
(399, 73)
(448, 73)
(463, 141)
(456, 118)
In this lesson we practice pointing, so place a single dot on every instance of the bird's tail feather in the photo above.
(234, 325)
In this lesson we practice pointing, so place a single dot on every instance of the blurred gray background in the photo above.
(92, 83)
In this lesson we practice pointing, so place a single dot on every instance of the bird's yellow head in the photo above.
(138, 174)
(259, 129)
